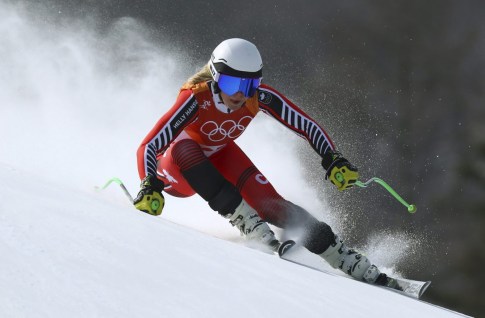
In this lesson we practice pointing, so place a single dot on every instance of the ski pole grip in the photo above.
(411, 207)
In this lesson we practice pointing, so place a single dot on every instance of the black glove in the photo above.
(150, 198)
(339, 170)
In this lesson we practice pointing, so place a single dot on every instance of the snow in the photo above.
(74, 105)
(72, 253)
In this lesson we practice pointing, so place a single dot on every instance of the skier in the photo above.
(191, 150)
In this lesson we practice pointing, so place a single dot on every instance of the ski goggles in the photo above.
(230, 85)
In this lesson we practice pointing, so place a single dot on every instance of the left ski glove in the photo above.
(150, 198)
(339, 170)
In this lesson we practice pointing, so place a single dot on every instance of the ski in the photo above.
(292, 252)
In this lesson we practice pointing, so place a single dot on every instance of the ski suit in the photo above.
(199, 127)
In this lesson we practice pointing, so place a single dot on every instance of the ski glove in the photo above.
(150, 198)
(339, 170)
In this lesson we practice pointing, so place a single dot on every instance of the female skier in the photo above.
(191, 150)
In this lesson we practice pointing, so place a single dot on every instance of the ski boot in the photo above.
(247, 220)
(338, 255)
(382, 279)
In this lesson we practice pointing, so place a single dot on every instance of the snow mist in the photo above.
(76, 99)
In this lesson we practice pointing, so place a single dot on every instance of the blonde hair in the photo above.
(203, 75)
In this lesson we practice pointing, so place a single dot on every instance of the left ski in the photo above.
(292, 252)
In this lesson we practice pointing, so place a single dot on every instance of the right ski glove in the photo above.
(339, 170)
(150, 198)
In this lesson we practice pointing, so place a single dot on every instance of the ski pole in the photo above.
(411, 207)
(120, 183)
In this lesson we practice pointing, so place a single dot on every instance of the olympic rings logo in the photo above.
(227, 129)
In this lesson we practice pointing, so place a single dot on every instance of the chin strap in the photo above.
(215, 87)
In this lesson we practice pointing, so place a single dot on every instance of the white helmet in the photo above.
(236, 57)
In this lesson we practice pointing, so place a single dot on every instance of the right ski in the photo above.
(292, 252)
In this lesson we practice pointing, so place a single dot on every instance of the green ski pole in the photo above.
(120, 183)
(411, 207)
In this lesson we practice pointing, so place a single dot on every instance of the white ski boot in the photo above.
(247, 220)
(338, 255)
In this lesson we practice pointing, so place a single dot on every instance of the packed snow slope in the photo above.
(72, 253)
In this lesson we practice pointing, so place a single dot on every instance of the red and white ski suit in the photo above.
(200, 115)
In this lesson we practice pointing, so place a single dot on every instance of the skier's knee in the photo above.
(315, 235)
(204, 178)
(319, 237)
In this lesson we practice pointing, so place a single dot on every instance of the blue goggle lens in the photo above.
(230, 85)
